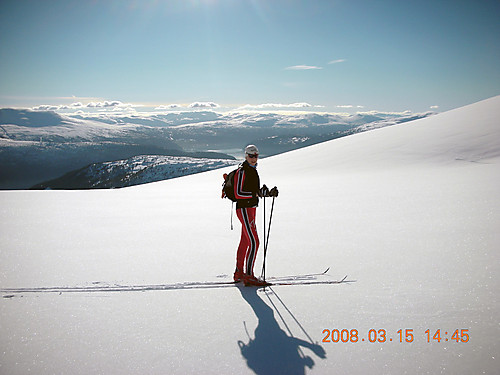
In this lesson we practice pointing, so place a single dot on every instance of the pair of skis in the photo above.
(284, 280)
(304, 279)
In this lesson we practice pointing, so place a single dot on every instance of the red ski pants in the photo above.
(249, 242)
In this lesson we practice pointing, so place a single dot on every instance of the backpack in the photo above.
(229, 185)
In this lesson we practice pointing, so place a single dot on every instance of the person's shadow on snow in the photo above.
(273, 351)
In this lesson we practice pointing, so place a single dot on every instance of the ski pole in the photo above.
(263, 274)
(270, 218)
(266, 239)
(232, 209)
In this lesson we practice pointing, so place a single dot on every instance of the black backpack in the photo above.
(229, 184)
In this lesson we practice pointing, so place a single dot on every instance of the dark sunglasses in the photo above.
(253, 156)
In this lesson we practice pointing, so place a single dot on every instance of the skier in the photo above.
(247, 193)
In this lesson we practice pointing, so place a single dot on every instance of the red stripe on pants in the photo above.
(249, 242)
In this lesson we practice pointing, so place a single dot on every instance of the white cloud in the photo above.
(336, 61)
(106, 104)
(386, 113)
(48, 107)
(44, 107)
(434, 106)
(347, 106)
(168, 106)
(303, 67)
(203, 105)
(276, 105)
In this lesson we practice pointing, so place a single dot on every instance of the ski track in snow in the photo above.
(166, 287)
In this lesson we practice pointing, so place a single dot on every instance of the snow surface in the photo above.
(411, 213)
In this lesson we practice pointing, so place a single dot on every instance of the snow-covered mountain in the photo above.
(275, 132)
(137, 170)
(37, 146)
(410, 213)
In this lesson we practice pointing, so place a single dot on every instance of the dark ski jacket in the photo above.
(247, 186)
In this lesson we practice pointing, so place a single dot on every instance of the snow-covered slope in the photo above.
(410, 213)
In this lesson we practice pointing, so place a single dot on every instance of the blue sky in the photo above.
(336, 55)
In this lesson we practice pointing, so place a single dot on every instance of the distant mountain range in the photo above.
(38, 146)
(273, 132)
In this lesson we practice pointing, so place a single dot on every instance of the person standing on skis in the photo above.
(247, 193)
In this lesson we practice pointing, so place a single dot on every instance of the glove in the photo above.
(273, 192)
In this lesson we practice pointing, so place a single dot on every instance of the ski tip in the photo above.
(345, 277)
(328, 269)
